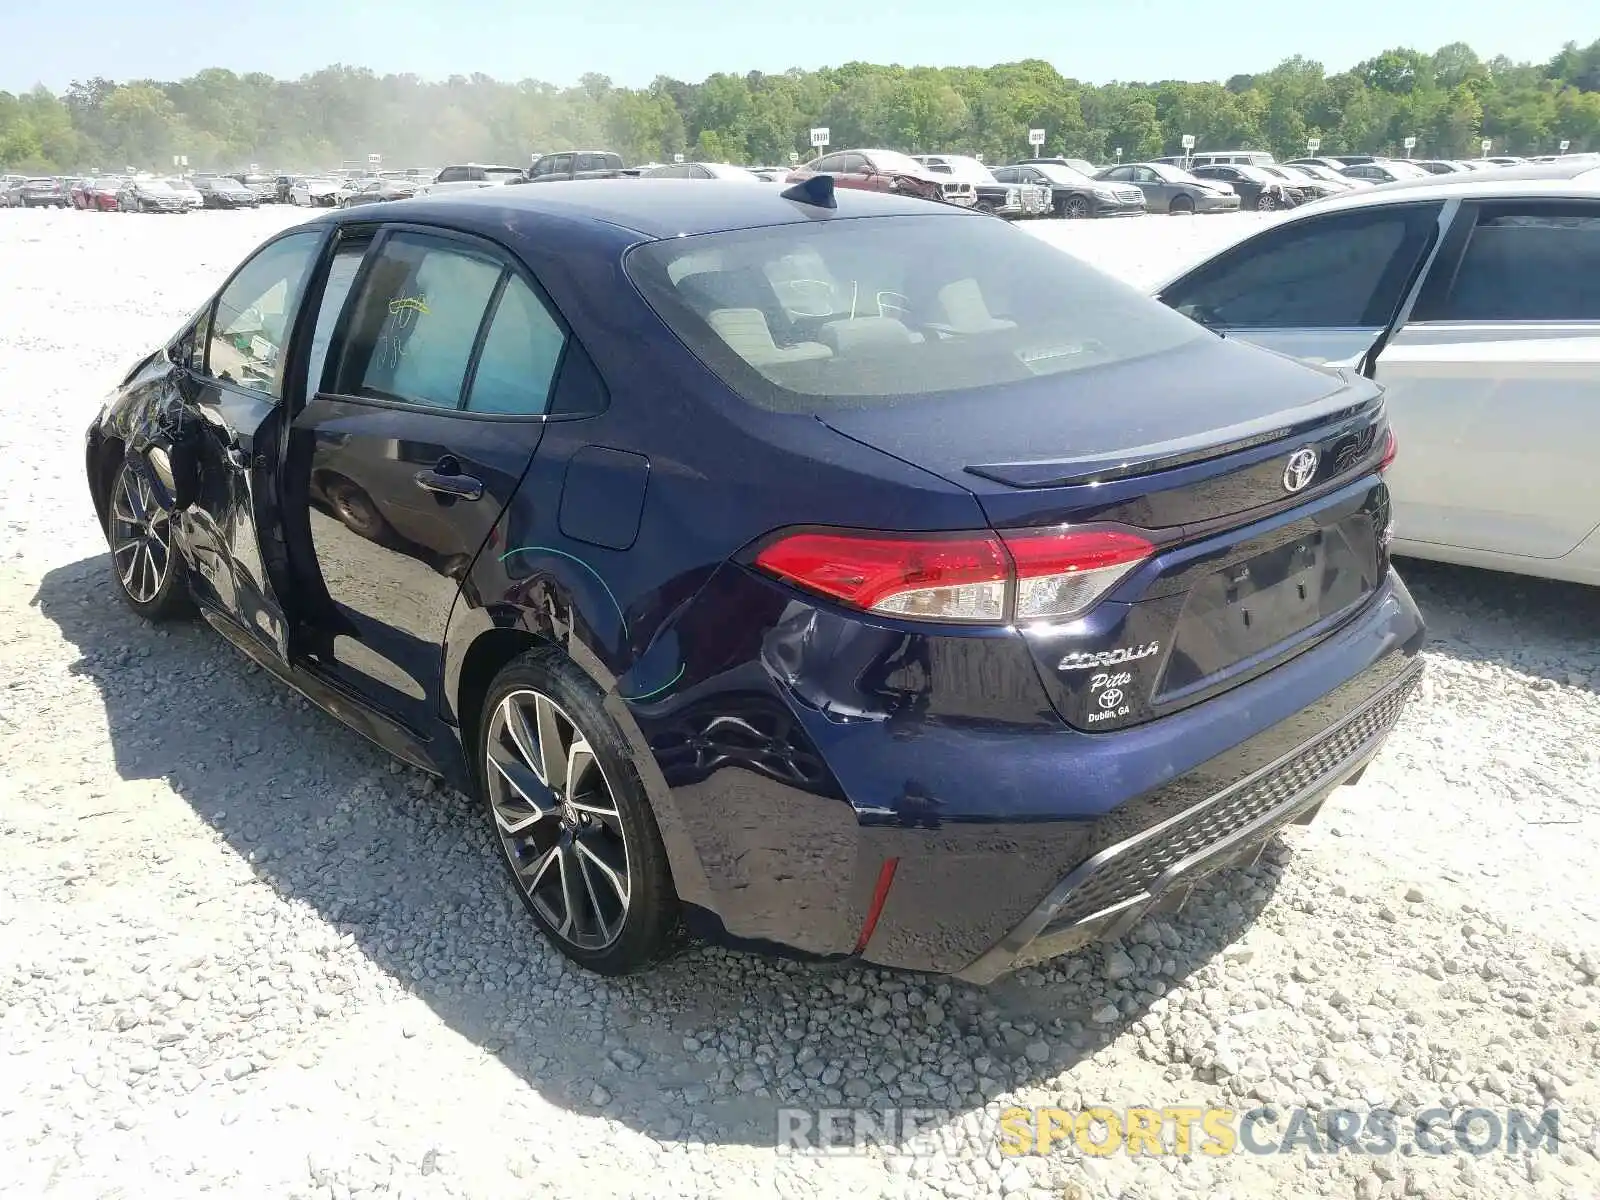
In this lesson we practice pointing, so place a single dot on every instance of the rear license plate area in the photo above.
(1250, 606)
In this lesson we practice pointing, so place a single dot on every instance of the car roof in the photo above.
(656, 208)
(1499, 183)
(1533, 179)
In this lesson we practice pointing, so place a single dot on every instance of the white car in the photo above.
(969, 183)
(1475, 300)
(317, 191)
(700, 170)
(191, 194)
(470, 176)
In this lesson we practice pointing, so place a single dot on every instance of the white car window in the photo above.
(1342, 271)
(1529, 263)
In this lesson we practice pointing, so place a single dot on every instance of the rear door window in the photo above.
(521, 351)
(1527, 262)
(415, 325)
(1344, 271)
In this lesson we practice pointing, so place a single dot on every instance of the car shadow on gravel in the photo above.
(1539, 627)
(707, 1047)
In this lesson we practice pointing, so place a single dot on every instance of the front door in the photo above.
(233, 392)
(1320, 289)
(434, 356)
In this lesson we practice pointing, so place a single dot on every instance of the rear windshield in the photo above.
(840, 312)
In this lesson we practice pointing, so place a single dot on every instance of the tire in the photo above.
(1076, 208)
(356, 510)
(606, 825)
(150, 575)
(1266, 202)
(1181, 206)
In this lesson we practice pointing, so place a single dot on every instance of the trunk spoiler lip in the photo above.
(1180, 452)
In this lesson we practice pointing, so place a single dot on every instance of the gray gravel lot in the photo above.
(243, 952)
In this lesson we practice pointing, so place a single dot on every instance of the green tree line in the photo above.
(1447, 100)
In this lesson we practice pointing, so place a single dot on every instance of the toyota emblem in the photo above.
(1302, 465)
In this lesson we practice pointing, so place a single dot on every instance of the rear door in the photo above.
(433, 359)
(1320, 289)
(235, 387)
(1494, 383)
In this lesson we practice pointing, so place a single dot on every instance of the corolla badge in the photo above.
(1080, 660)
(1301, 467)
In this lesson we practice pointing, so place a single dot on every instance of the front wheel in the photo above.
(1076, 208)
(149, 572)
(1266, 202)
(574, 825)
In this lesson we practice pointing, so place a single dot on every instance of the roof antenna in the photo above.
(817, 190)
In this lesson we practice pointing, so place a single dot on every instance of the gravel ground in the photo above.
(240, 950)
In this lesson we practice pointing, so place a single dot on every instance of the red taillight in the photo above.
(960, 577)
(1027, 575)
(1390, 448)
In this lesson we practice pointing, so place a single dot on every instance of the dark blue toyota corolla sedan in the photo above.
(843, 576)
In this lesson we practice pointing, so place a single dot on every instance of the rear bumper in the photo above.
(788, 784)
(1156, 868)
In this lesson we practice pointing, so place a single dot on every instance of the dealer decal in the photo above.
(1081, 661)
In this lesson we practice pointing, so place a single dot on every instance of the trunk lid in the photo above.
(1253, 476)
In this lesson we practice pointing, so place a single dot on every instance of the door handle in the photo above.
(444, 478)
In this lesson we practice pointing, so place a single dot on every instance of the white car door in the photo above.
(1320, 288)
(1494, 385)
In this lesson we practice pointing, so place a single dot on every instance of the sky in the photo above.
(633, 41)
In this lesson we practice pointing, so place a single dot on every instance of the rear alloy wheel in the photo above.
(150, 573)
(1266, 202)
(572, 819)
(1076, 208)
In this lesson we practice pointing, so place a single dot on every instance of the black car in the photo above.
(1257, 190)
(1076, 195)
(150, 196)
(827, 571)
(224, 191)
